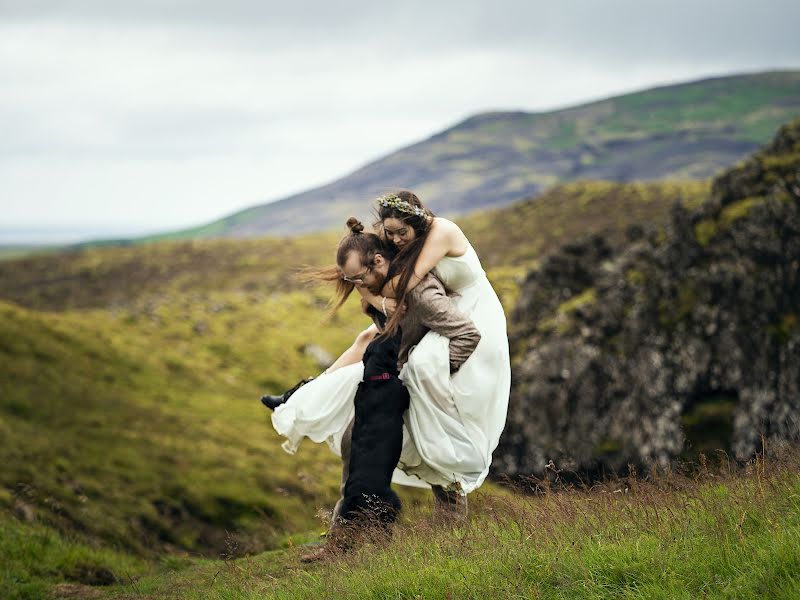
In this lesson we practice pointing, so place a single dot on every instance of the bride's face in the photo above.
(399, 232)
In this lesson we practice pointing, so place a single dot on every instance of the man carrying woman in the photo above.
(457, 407)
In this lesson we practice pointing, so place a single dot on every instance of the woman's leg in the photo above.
(355, 352)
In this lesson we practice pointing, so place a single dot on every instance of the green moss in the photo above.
(33, 556)
(704, 231)
(130, 412)
(687, 300)
(585, 298)
(635, 277)
(520, 234)
(737, 210)
(506, 281)
(561, 322)
(780, 162)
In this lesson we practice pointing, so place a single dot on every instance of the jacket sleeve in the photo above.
(438, 313)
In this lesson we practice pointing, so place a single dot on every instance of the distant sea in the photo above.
(55, 235)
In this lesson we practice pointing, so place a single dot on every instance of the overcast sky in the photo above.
(121, 116)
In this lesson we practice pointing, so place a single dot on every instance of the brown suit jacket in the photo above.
(429, 309)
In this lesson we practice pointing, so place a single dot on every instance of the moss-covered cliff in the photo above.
(685, 339)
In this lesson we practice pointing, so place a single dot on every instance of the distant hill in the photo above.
(509, 240)
(685, 131)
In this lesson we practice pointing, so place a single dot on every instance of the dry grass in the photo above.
(731, 531)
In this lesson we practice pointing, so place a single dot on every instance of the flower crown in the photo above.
(392, 201)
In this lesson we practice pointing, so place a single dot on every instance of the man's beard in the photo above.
(376, 287)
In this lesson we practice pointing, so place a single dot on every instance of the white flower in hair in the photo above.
(392, 201)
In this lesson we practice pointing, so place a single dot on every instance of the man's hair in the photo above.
(367, 245)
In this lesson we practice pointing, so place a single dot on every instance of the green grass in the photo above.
(135, 429)
(711, 536)
(19, 251)
(130, 425)
(518, 235)
(129, 385)
(508, 240)
(34, 555)
(736, 101)
(117, 276)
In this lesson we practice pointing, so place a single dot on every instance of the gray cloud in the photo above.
(614, 28)
(187, 110)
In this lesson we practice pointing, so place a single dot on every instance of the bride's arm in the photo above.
(382, 303)
(443, 239)
(370, 298)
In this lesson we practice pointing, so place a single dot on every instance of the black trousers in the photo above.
(376, 439)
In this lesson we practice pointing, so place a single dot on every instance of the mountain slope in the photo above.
(690, 130)
(144, 432)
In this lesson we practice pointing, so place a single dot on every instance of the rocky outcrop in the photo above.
(685, 339)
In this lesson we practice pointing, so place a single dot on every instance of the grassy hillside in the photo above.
(686, 131)
(713, 535)
(18, 251)
(144, 432)
(117, 276)
(521, 233)
(140, 430)
(129, 377)
(508, 240)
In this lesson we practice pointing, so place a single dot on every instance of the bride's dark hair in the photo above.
(413, 213)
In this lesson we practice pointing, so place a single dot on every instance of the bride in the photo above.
(454, 422)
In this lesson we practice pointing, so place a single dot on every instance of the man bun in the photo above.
(354, 225)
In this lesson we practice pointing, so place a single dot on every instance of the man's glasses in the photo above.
(357, 278)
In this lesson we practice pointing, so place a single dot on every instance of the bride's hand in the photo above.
(395, 308)
(389, 305)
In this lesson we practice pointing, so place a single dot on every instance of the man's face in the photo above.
(371, 276)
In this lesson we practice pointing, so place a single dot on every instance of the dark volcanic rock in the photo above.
(684, 340)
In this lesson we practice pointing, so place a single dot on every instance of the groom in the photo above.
(428, 307)
(373, 450)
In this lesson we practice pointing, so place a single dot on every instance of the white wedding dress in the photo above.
(453, 423)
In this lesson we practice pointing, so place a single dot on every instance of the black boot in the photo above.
(273, 402)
